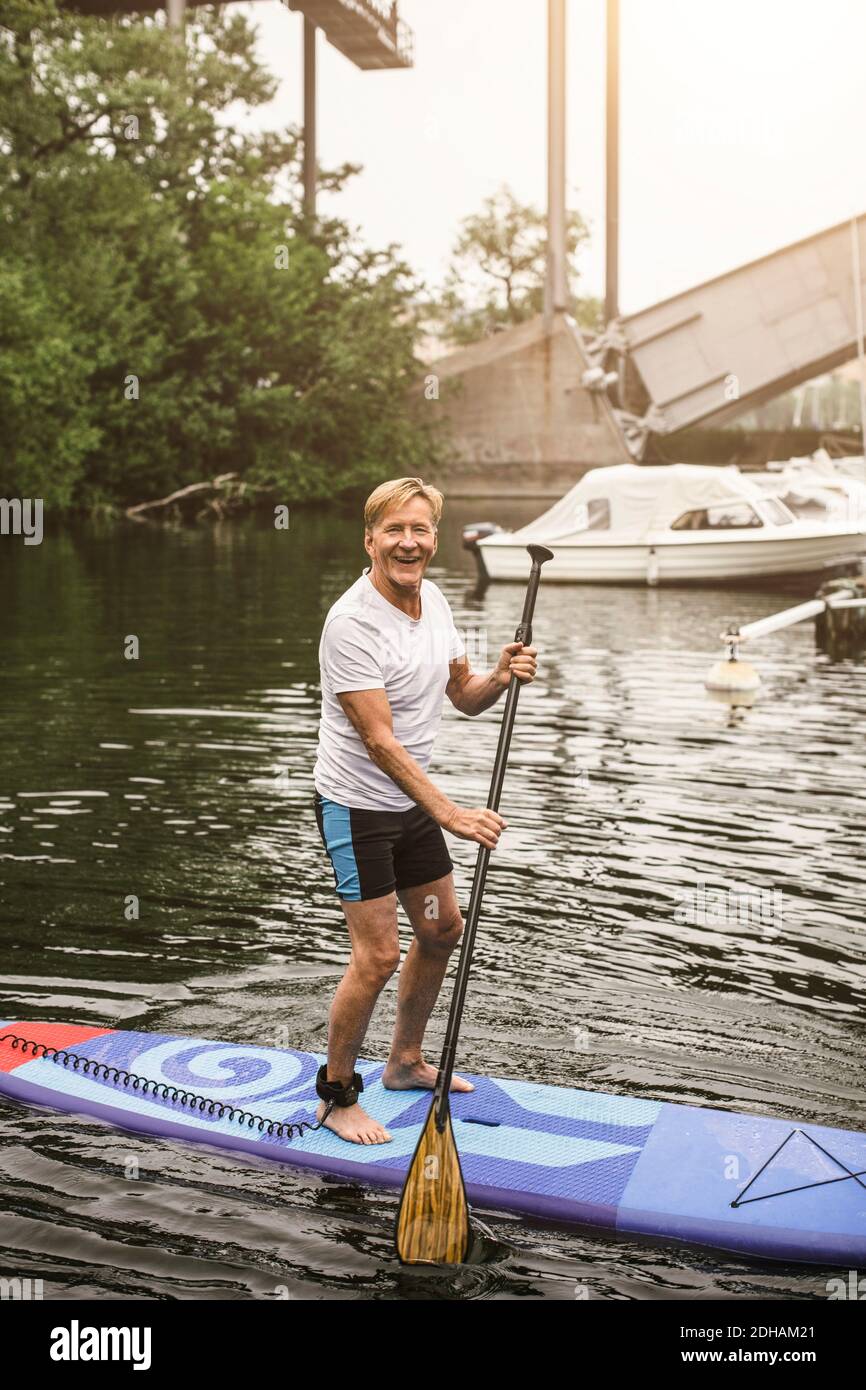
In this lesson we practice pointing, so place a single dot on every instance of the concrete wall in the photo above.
(518, 420)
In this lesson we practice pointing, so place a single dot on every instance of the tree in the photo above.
(166, 310)
(497, 270)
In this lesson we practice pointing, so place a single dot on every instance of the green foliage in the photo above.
(497, 270)
(166, 311)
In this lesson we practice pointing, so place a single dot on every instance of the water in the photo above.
(675, 911)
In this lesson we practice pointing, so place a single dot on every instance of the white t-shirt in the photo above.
(369, 644)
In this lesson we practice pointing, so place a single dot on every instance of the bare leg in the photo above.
(436, 921)
(375, 956)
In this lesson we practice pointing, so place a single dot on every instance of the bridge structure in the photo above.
(545, 407)
(546, 400)
(370, 33)
(737, 340)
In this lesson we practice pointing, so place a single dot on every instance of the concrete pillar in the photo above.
(611, 279)
(556, 280)
(309, 118)
(857, 277)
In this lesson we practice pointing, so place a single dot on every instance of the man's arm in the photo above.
(370, 714)
(472, 694)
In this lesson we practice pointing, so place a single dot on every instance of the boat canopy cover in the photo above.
(819, 483)
(848, 466)
(641, 498)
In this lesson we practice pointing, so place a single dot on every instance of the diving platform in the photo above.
(367, 32)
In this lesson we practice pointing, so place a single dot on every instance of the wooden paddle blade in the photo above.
(433, 1219)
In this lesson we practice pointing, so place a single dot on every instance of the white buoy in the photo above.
(732, 676)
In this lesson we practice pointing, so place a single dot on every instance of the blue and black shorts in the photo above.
(373, 853)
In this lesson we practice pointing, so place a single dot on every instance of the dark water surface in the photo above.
(675, 911)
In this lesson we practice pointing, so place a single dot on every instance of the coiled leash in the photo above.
(328, 1091)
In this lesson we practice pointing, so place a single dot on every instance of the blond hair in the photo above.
(394, 493)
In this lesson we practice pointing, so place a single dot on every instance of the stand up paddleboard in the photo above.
(774, 1188)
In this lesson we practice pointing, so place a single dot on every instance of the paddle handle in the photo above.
(539, 554)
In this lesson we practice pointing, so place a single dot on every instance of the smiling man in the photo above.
(389, 653)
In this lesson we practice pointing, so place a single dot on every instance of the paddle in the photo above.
(433, 1217)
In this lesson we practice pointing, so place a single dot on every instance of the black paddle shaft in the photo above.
(539, 554)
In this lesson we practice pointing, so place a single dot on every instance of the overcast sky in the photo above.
(742, 126)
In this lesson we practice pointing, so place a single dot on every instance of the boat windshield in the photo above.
(728, 516)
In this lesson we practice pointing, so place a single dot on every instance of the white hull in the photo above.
(676, 558)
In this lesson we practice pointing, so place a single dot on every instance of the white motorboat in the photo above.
(675, 523)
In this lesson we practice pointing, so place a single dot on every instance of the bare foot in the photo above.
(353, 1123)
(406, 1076)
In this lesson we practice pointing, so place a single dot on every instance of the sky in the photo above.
(742, 127)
